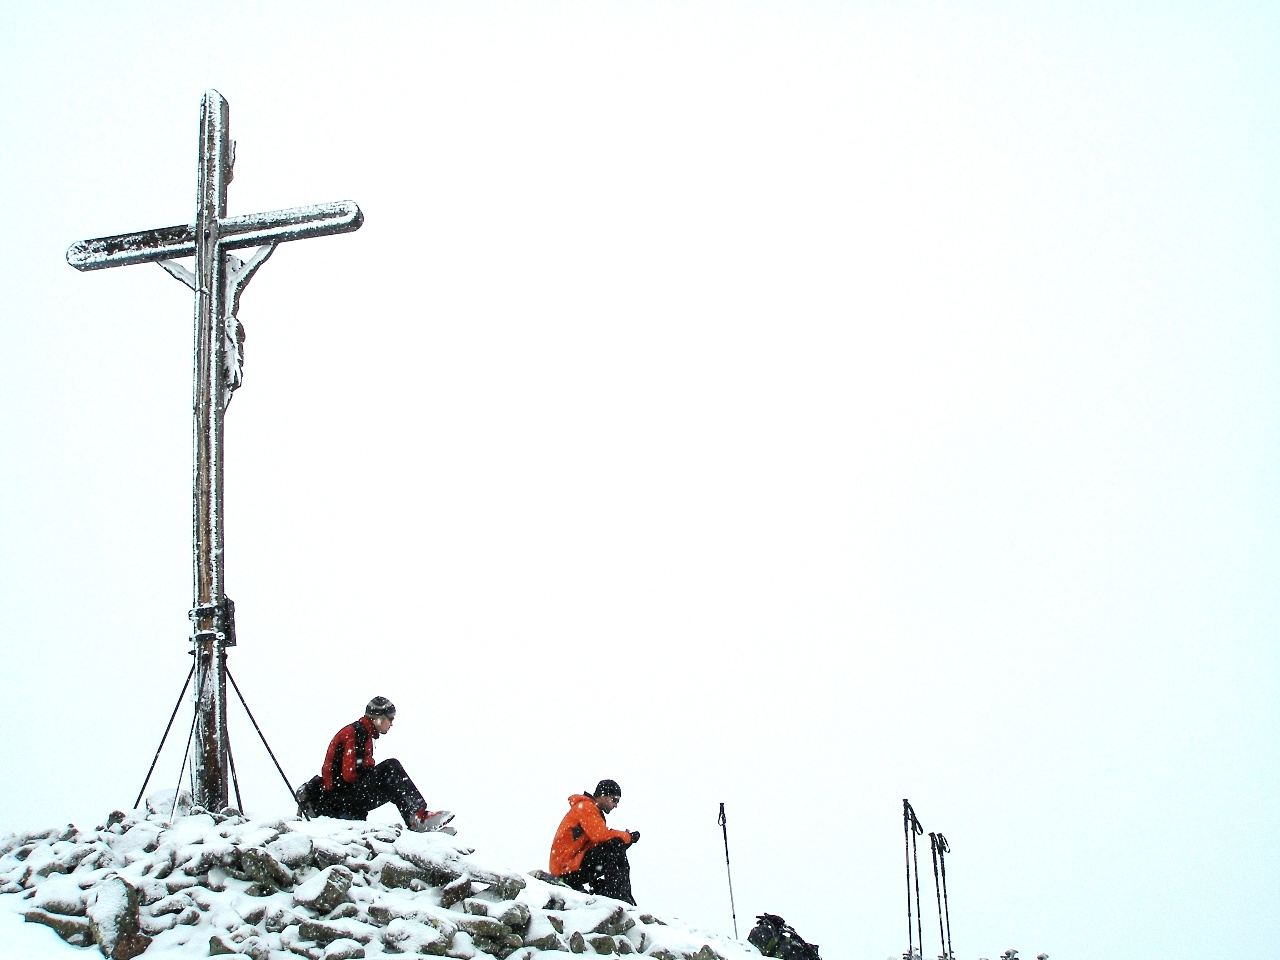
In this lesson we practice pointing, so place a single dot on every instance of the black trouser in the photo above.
(604, 871)
(387, 782)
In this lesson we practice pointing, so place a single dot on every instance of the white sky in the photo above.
(801, 406)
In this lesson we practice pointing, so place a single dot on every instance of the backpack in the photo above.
(774, 937)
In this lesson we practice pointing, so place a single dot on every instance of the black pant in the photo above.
(604, 871)
(387, 782)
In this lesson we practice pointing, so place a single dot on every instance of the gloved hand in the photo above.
(635, 836)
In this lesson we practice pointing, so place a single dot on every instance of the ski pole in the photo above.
(936, 842)
(724, 826)
(943, 848)
(910, 830)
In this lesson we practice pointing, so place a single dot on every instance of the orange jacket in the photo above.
(582, 828)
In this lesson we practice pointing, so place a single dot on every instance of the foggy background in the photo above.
(797, 405)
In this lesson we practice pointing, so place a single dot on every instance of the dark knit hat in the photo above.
(608, 788)
(380, 707)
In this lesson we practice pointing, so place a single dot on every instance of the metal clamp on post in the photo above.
(223, 615)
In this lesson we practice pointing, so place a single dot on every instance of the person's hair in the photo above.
(380, 707)
(608, 788)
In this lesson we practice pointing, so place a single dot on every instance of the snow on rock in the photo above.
(208, 885)
(113, 919)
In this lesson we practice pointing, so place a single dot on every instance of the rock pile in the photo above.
(210, 884)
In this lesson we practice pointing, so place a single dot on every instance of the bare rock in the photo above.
(427, 855)
(325, 852)
(615, 923)
(256, 948)
(456, 892)
(180, 881)
(325, 890)
(487, 945)
(292, 941)
(174, 903)
(409, 935)
(344, 950)
(294, 850)
(162, 802)
(483, 927)
(577, 944)
(220, 945)
(65, 857)
(548, 942)
(60, 895)
(327, 931)
(506, 886)
(74, 930)
(398, 872)
(515, 915)
(261, 866)
(602, 944)
(152, 926)
(508, 945)
(277, 919)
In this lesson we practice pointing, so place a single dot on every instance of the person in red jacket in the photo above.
(351, 784)
(586, 854)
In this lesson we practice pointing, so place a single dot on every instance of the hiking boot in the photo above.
(306, 801)
(424, 821)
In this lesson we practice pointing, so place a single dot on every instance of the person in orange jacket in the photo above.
(585, 854)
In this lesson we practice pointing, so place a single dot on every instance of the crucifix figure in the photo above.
(218, 280)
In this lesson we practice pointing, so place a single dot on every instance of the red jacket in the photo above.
(582, 828)
(350, 753)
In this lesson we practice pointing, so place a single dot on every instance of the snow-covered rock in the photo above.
(205, 885)
(114, 919)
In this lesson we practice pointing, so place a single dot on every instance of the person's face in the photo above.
(607, 804)
(382, 724)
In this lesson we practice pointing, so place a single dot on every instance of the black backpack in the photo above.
(774, 937)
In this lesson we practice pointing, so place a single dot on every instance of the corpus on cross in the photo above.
(218, 280)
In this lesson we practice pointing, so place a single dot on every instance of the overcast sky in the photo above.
(801, 406)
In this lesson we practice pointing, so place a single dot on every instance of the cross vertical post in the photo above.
(218, 280)
(211, 744)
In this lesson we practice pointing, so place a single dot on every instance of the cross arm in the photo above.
(166, 243)
(295, 223)
(251, 230)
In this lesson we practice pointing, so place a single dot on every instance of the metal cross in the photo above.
(218, 281)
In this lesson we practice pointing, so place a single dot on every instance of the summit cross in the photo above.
(218, 280)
